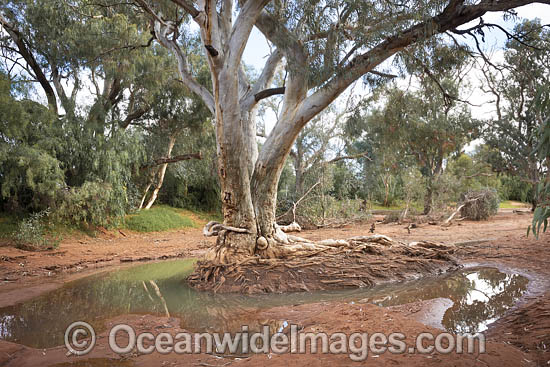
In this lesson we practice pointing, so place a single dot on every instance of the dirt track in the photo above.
(520, 338)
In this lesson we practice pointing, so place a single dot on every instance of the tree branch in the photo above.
(174, 159)
(241, 31)
(189, 8)
(268, 93)
(454, 15)
(265, 79)
(134, 115)
(27, 55)
(162, 32)
(353, 156)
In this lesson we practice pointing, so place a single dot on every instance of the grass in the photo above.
(207, 217)
(509, 204)
(376, 206)
(8, 225)
(159, 218)
(399, 206)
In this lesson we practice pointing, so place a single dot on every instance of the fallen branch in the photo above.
(335, 224)
(292, 227)
(448, 221)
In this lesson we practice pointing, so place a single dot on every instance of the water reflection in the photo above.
(479, 295)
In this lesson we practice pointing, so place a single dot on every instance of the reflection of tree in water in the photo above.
(41, 322)
(496, 293)
(486, 296)
(161, 289)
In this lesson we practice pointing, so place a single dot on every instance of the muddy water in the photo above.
(480, 296)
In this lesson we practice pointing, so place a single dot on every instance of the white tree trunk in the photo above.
(144, 195)
(160, 175)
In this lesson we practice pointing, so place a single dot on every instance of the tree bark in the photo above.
(428, 200)
(234, 153)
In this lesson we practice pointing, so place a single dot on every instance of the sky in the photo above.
(257, 51)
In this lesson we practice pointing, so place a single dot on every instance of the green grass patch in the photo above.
(207, 217)
(375, 206)
(397, 206)
(159, 218)
(509, 204)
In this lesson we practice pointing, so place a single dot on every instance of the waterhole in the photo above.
(480, 296)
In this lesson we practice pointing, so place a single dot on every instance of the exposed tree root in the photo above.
(295, 264)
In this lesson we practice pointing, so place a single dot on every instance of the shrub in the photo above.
(31, 233)
(479, 205)
(93, 203)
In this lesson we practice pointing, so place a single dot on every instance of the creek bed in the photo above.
(480, 296)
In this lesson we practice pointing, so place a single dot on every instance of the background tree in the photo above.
(427, 125)
(175, 113)
(113, 105)
(30, 175)
(518, 85)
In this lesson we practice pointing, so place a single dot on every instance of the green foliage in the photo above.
(158, 218)
(407, 129)
(32, 233)
(345, 183)
(8, 225)
(84, 163)
(30, 176)
(324, 210)
(514, 188)
(193, 184)
(286, 185)
(542, 212)
(93, 203)
(523, 96)
(66, 166)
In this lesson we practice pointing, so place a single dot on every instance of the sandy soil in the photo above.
(521, 338)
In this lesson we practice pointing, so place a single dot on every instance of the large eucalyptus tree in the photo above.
(325, 46)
